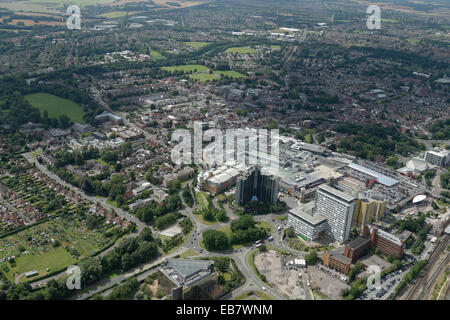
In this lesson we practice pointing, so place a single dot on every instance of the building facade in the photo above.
(366, 210)
(438, 157)
(357, 248)
(256, 186)
(309, 227)
(338, 208)
(383, 241)
(337, 262)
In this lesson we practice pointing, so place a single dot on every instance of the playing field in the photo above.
(231, 74)
(187, 68)
(56, 106)
(240, 50)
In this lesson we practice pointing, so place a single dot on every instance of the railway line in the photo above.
(424, 282)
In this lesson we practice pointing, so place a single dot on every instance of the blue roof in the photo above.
(381, 178)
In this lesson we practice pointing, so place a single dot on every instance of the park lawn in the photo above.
(186, 68)
(196, 44)
(240, 50)
(231, 74)
(203, 77)
(265, 225)
(55, 259)
(275, 47)
(188, 253)
(56, 106)
(203, 199)
(156, 55)
(199, 217)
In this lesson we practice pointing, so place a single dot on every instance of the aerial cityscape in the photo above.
(225, 150)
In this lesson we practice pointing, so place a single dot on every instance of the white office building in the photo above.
(306, 224)
(337, 207)
(438, 157)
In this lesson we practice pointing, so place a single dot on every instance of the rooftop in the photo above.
(358, 242)
(337, 193)
(313, 220)
(381, 178)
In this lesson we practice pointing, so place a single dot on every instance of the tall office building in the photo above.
(337, 207)
(256, 186)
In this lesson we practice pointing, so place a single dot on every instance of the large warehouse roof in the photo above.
(381, 178)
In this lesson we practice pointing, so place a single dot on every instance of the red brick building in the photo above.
(383, 241)
(357, 248)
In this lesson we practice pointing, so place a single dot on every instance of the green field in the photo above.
(412, 40)
(240, 50)
(56, 106)
(54, 260)
(196, 44)
(186, 68)
(188, 253)
(231, 74)
(156, 55)
(275, 47)
(203, 200)
(203, 77)
(112, 15)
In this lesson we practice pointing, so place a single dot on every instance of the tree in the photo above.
(64, 121)
(290, 233)
(215, 240)
(221, 216)
(221, 264)
(311, 258)
(91, 270)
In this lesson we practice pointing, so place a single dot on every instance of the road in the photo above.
(142, 272)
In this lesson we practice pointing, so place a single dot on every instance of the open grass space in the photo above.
(203, 200)
(240, 50)
(186, 68)
(156, 55)
(56, 106)
(230, 73)
(188, 253)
